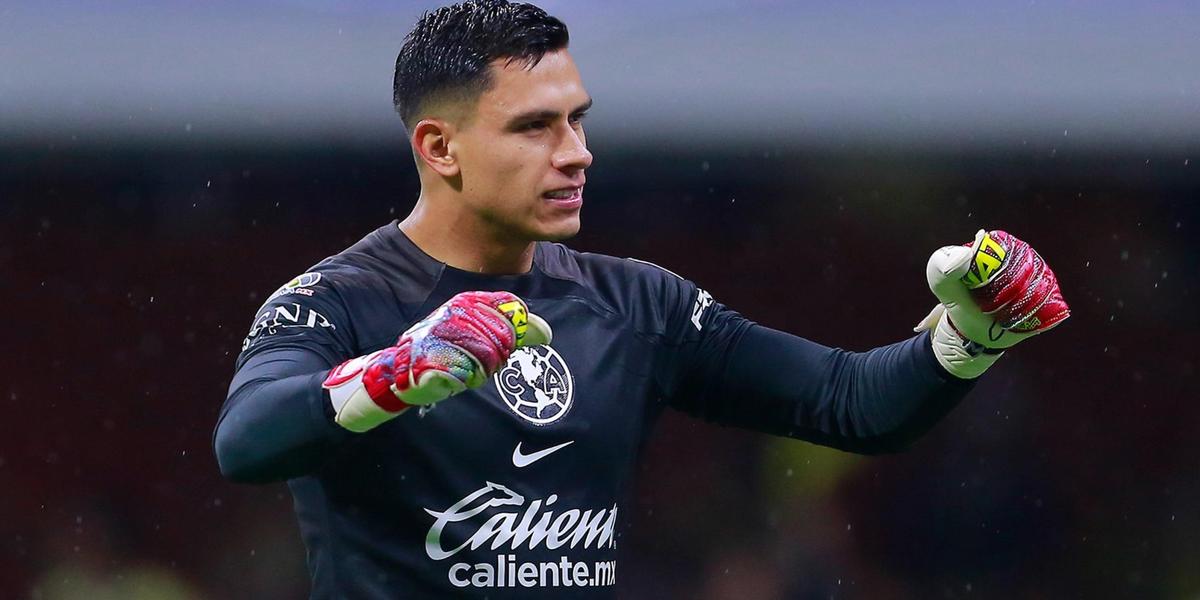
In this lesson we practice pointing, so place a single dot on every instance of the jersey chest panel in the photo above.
(531, 466)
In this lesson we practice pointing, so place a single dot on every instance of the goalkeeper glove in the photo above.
(456, 347)
(994, 292)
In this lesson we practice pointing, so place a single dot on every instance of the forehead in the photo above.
(553, 84)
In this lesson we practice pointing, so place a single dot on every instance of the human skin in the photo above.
(487, 166)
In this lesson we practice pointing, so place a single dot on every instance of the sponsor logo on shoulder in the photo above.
(703, 301)
(301, 285)
(273, 319)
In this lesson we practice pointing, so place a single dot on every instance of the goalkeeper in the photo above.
(458, 402)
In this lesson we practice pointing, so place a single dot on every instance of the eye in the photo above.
(577, 118)
(533, 126)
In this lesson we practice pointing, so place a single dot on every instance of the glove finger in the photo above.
(1012, 279)
(489, 313)
(481, 331)
(430, 387)
(514, 311)
(945, 270)
(953, 261)
(1050, 312)
(988, 258)
(1019, 292)
(530, 330)
(930, 321)
(538, 332)
(441, 355)
(1025, 294)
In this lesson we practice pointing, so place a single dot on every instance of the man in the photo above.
(559, 361)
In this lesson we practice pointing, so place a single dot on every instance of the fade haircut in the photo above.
(447, 55)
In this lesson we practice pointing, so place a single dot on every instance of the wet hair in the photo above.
(447, 55)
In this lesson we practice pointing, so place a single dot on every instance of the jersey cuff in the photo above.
(321, 408)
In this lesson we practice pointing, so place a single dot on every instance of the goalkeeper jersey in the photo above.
(517, 489)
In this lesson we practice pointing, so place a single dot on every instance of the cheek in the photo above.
(515, 171)
(505, 176)
(487, 171)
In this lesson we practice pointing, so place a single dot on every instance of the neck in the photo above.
(463, 242)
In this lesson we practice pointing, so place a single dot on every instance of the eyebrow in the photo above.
(545, 115)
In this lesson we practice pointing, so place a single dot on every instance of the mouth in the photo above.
(565, 196)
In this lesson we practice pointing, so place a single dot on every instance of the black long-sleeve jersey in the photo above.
(516, 489)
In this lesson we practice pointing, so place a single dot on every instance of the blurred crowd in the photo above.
(130, 275)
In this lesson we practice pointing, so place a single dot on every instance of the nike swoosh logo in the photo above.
(524, 460)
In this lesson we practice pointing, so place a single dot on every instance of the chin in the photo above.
(559, 231)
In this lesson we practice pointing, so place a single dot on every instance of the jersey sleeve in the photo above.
(687, 327)
(275, 423)
(715, 364)
(307, 313)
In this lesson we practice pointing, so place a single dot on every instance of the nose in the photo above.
(572, 153)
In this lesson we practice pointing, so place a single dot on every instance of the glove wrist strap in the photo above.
(353, 406)
(960, 357)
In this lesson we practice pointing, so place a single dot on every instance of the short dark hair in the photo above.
(449, 52)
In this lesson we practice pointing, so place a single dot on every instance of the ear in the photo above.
(431, 142)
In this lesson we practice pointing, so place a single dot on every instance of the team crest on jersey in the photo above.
(536, 384)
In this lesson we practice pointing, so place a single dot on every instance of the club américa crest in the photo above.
(536, 384)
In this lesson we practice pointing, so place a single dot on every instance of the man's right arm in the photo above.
(277, 421)
(289, 409)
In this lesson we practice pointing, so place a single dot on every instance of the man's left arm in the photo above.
(993, 293)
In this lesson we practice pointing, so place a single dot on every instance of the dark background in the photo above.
(165, 166)
(131, 274)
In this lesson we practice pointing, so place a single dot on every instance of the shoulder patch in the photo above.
(301, 285)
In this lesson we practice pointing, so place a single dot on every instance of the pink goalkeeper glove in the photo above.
(456, 347)
(994, 292)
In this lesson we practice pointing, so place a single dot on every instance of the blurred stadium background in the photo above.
(165, 165)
